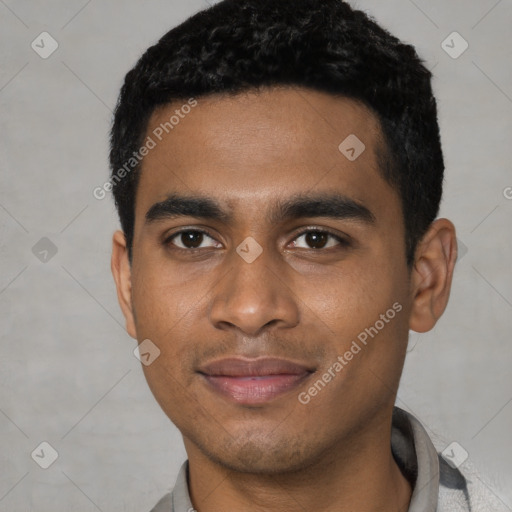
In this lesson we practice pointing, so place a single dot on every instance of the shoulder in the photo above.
(164, 504)
(464, 489)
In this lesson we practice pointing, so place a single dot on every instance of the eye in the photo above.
(319, 239)
(191, 239)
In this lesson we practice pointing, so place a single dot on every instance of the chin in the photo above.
(261, 455)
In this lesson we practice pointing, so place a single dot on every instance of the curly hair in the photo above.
(324, 45)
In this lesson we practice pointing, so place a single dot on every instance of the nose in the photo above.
(254, 296)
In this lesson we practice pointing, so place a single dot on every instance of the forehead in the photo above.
(248, 149)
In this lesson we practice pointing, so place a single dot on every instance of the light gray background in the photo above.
(68, 375)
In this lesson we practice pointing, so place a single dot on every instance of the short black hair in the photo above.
(325, 45)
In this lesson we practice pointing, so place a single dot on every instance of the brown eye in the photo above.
(319, 239)
(190, 240)
(316, 239)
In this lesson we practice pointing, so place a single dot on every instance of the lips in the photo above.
(253, 381)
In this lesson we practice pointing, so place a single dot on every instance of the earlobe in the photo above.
(432, 275)
(121, 270)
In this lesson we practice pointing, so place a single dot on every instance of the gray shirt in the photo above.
(437, 485)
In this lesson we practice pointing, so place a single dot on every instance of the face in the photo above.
(269, 271)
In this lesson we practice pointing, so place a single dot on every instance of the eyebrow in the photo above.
(334, 206)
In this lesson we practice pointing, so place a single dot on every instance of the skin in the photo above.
(294, 301)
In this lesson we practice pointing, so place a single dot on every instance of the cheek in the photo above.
(363, 313)
(162, 300)
(171, 312)
(365, 321)
(348, 299)
(166, 313)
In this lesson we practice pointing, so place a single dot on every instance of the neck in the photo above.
(359, 473)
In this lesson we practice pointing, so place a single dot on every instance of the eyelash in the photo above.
(343, 242)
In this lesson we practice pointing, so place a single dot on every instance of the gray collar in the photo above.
(417, 457)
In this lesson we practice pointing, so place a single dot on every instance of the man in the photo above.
(277, 170)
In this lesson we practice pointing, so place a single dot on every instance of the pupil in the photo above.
(316, 240)
(192, 239)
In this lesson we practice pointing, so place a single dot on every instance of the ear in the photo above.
(122, 272)
(432, 274)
